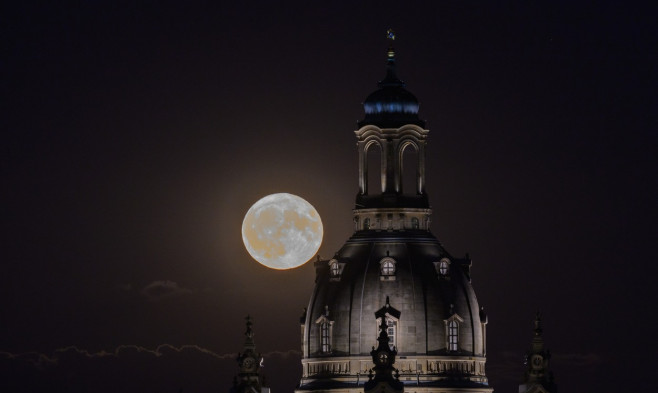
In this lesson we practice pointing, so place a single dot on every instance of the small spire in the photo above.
(391, 78)
(538, 329)
(249, 333)
(390, 35)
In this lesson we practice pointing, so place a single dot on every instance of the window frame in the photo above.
(453, 335)
(325, 337)
(452, 330)
(388, 269)
(324, 332)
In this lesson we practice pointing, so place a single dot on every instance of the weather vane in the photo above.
(390, 34)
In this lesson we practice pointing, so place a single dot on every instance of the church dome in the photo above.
(407, 277)
(391, 105)
(393, 272)
(391, 100)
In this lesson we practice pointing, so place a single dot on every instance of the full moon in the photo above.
(282, 231)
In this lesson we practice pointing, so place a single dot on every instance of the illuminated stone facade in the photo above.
(393, 271)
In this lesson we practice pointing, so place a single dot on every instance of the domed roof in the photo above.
(414, 290)
(391, 105)
(393, 271)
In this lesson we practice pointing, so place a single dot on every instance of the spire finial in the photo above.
(249, 333)
(391, 78)
(390, 35)
(538, 329)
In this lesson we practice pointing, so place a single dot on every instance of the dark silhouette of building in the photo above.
(538, 378)
(249, 361)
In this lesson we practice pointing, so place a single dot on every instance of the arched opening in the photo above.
(373, 170)
(325, 343)
(409, 169)
(453, 335)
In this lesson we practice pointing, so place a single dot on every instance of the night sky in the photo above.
(136, 136)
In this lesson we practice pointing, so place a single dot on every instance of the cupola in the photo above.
(391, 105)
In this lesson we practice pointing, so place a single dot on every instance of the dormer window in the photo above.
(453, 335)
(443, 267)
(325, 343)
(452, 325)
(325, 330)
(387, 268)
(335, 270)
(366, 223)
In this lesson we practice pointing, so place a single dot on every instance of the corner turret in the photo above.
(538, 378)
(249, 363)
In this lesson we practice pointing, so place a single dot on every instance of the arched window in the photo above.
(444, 266)
(391, 331)
(409, 169)
(453, 335)
(387, 267)
(334, 268)
(325, 342)
(325, 330)
(373, 169)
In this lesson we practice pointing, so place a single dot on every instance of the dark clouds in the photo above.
(131, 368)
(159, 290)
